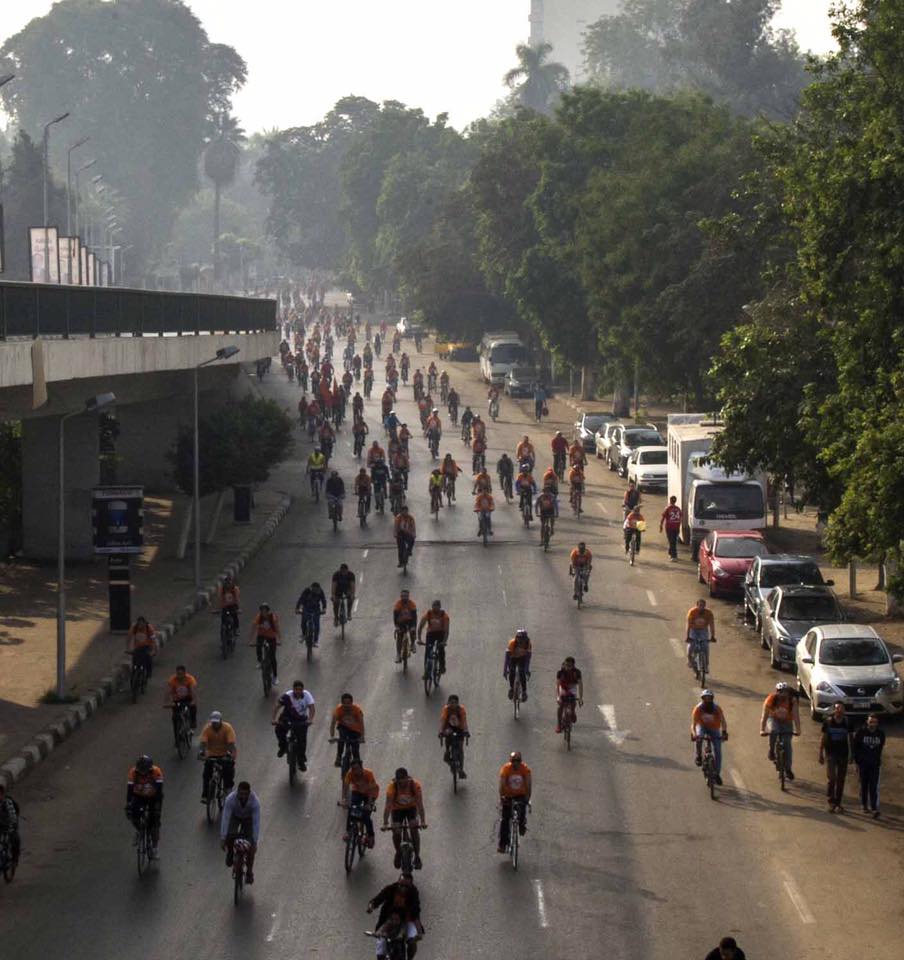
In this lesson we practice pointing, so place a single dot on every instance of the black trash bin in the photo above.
(241, 504)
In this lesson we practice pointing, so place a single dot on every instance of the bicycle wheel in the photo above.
(266, 676)
(212, 790)
(632, 551)
(142, 850)
(343, 617)
(183, 741)
(484, 526)
(134, 684)
(224, 641)
(780, 764)
(566, 731)
(516, 698)
(514, 836)
(292, 761)
(428, 676)
(238, 873)
(405, 653)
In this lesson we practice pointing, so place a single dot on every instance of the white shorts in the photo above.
(410, 934)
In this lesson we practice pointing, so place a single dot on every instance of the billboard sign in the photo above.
(44, 254)
(117, 515)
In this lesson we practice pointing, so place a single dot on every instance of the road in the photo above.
(626, 857)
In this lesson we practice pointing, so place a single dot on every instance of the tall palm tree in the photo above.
(536, 81)
(221, 164)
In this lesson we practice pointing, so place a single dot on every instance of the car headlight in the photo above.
(781, 632)
(720, 571)
(893, 686)
(825, 687)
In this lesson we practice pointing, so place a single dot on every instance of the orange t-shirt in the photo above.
(709, 721)
(454, 717)
(514, 783)
(706, 615)
(352, 718)
(267, 626)
(516, 652)
(146, 784)
(484, 502)
(581, 559)
(362, 781)
(779, 708)
(436, 621)
(143, 637)
(405, 795)
(183, 689)
(229, 598)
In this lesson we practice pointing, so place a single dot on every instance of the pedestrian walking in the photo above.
(540, 410)
(869, 742)
(835, 753)
(671, 520)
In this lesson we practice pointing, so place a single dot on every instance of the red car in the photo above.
(725, 557)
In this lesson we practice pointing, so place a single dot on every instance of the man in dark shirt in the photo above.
(728, 949)
(869, 741)
(835, 753)
(400, 908)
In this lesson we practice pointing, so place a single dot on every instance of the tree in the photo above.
(10, 488)
(140, 78)
(221, 163)
(536, 82)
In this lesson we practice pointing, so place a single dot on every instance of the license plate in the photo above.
(858, 704)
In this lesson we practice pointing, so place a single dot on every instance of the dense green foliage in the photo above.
(10, 488)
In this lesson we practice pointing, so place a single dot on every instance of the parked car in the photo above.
(848, 663)
(725, 557)
(585, 429)
(648, 467)
(520, 382)
(407, 327)
(789, 613)
(776, 570)
(464, 350)
(625, 440)
(604, 437)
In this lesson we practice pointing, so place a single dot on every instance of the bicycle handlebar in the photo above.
(337, 739)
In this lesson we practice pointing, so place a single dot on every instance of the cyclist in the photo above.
(404, 436)
(453, 722)
(478, 451)
(358, 405)
(217, 746)
(363, 486)
(467, 418)
(360, 788)
(632, 528)
(444, 381)
(316, 467)
(701, 629)
(294, 711)
(505, 470)
(436, 624)
(265, 626)
(312, 603)
(484, 505)
(514, 787)
(405, 533)
(479, 428)
(343, 585)
(707, 719)
(400, 905)
(576, 480)
(396, 490)
(526, 487)
(405, 803)
(9, 823)
(335, 491)
(379, 475)
(359, 432)
(229, 596)
(435, 484)
(631, 498)
(525, 453)
(375, 453)
(482, 483)
(241, 817)
(577, 455)
(517, 658)
(493, 398)
(349, 717)
(546, 507)
(453, 402)
(181, 688)
(404, 617)
(581, 558)
(144, 790)
(781, 718)
(143, 645)
(327, 436)
(569, 690)
(559, 452)
(433, 422)
(550, 480)
(450, 470)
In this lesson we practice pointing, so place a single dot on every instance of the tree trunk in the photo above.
(883, 578)
(588, 383)
(216, 233)
(894, 602)
(621, 399)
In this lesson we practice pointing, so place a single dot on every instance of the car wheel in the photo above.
(712, 590)
(775, 664)
(748, 619)
(700, 578)
(609, 461)
(814, 715)
(757, 624)
(764, 643)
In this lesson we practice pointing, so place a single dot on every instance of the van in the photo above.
(500, 357)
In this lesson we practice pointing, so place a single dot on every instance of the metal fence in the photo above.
(51, 310)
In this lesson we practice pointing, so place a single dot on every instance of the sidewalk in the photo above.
(162, 590)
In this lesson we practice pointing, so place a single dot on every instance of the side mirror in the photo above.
(897, 658)
(830, 583)
(806, 659)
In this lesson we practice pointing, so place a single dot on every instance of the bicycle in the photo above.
(183, 729)
(517, 689)
(240, 848)
(363, 509)
(334, 511)
(359, 444)
(356, 833)
(505, 481)
(316, 484)
(466, 433)
(494, 409)
(484, 527)
(581, 577)
(406, 846)
(144, 844)
(407, 547)
(432, 665)
(456, 751)
(351, 750)
(266, 667)
(545, 531)
(708, 765)
(380, 497)
(342, 614)
(396, 942)
(781, 755)
(396, 499)
(518, 807)
(436, 501)
(569, 717)
(577, 496)
(558, 465)
(8, 863)
(478, 463)
(216, 789)
(449, 489)
(700, 660)
(527, 513)
(633, 546)
(403, 636)
(308, 632)
(138, 677)
(433, 441)
(227, 634)
(292, 759)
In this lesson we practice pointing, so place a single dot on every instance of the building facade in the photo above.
(562, 23)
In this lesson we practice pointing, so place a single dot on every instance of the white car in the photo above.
(848, 663)
(604, 438)
(648, 467)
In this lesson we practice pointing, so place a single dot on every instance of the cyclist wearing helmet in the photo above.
(312, 603)
(265, 626)
(144, 790)
(514, 787)
(781, 718)
(708, 720)
(453, 724)
(517, 658)
(405, 803)
(217, 747)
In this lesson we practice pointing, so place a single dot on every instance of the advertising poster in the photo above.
(83, 261)
(75, 259)
(92, 270)
(45, 254)
(65, 255)
(117, 515)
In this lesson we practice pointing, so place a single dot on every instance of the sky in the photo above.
(441, 55)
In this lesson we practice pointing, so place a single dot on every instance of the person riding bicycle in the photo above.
(517, 662)
(546, 507)
(484, 505)
(294, 711)
(335, 491)
(400, 911)
(631, 498)
(453, 723)
(505, 470)
(478, 427)
(143, 645)
(435, 484)
(452, 402)
(514, 787)
(576, 481)
(9, 823)
(633, 527)
(182, 688)
(363, 487)
(265, 626)
(467, 418)
(525, 485)
(144, 790)
(404, 436)
(404, 617)
(391, 422)
(435, 622)
(311, 604)
(349, 718)
(316, 467)
(708, 720)
(559, 447)
(358, 405)
(478, 452)
(525, 452)
(482, 483)
(434, 423)
(569, 690)
(359, 430)
(444, 379)
(386, 402)
(342, 585)
(577, 455)
(581, 559)
(701, 629)
(327, 437)
(405, 803)
(217, 743)
(241, 818)
(450, 470)
(360, 788)
(375, 453)
(405, 533)
(229, 596)
(379, 475)
(781, 718)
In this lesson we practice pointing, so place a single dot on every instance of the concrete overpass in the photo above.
(60, 345)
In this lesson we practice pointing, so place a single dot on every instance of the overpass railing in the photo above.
(51, 310)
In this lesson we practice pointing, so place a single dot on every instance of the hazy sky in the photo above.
(441, 55)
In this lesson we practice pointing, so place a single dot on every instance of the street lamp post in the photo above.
(47, 127)
(222, 354)
(93, 404)
(80, 170)
(69, 150)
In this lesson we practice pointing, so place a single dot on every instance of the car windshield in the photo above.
(653, 456)
(645, 438)
(812, 609)
(740, 547)
(730, 501)
(594, 422)
(507, 353)
(523, 373)
(778, 574)
(848, 652)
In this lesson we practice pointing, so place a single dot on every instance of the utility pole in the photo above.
(537, 25)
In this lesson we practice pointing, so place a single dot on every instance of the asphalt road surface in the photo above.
(626, 855)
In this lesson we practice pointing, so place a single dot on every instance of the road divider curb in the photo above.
(43, 743)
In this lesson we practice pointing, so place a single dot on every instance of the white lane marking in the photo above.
(679, 648)
(741, 787)
(273, 928)
(602, 506)
(797, 899)
(613, 734)
(355, 606)
(504, 597)
(406, 732)
(364, 555)
(652, 598)
(541, 903)
(360, 579)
